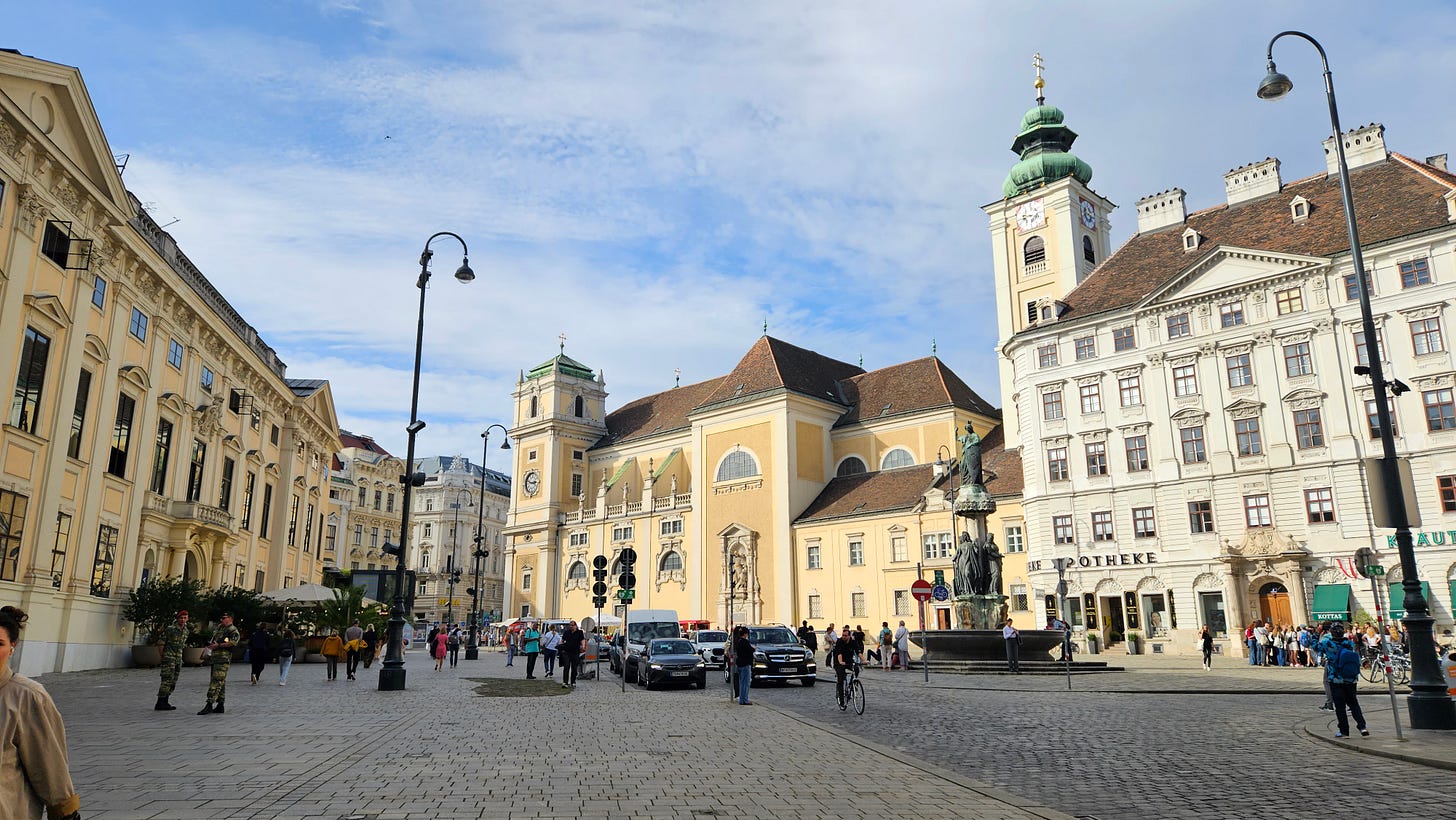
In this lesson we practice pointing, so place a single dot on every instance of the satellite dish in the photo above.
(588, 624)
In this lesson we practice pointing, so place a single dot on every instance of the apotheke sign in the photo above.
(1121, 559)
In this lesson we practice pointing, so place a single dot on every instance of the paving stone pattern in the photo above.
(1130, 751)
(315, 749)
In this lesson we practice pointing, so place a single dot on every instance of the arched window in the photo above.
(853, 465)
(737, 464)
(534, 407)
(1088, 252)
(898, 457)
(577, 571)
(580, 407)
(1033, 251)
(670, 562)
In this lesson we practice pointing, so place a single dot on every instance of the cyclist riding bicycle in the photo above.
(844, 658)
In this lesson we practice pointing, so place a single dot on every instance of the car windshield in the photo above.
(771, 635)
(671, 648)
(712, 637)
(644, 632)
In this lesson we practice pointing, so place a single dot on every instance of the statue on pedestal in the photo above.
(967, 567)
(970, 463)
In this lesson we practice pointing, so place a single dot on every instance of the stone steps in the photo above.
(1027, 667)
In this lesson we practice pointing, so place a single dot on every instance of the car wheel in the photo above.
(809, 681)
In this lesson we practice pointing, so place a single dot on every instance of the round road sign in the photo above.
(921, 589)
(940, 592)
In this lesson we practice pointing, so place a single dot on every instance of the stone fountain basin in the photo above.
(986, 644)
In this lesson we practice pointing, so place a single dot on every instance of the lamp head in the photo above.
(464, 273)
(1274, 85)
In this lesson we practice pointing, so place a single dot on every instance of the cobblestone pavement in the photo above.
(1132, 751)
(346, 750)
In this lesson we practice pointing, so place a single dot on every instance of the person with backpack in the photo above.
(1342, 670)
(887, 645)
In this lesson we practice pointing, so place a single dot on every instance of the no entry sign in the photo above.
(921, 590)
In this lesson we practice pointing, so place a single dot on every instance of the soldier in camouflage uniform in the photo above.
(224, 638)
(174, 638)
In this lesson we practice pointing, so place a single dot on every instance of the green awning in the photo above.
(1331, 602)
(1397, 599)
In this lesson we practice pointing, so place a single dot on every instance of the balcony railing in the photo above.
(202, 513)
(678, 501)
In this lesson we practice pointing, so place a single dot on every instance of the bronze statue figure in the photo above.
(971, 475)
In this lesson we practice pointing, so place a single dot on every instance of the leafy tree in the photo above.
(348, 606)
(154, 605)
(248, 608)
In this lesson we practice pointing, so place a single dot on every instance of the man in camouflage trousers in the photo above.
(174, 638)
(224, 638)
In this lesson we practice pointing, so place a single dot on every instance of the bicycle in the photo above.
(851, 691)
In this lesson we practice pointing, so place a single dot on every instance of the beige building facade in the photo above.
(797, 487)
(448, 508)
(1187, 409)
(151, 431)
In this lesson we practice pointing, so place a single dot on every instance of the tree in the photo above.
(248, 608)
(348, 606)
(154, 605)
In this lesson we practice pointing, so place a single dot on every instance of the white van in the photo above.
(642, 626)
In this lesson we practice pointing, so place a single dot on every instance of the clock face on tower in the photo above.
(533, 482)
(1089, 215)
(1031, 215)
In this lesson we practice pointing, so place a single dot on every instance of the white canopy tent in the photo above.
(308, 594)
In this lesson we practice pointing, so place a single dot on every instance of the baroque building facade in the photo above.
(367, 481)
(151, 431)
(447, 511)
(1188, 410)
(796, 487)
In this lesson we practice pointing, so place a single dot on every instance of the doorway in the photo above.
(942, 618)
(1274, 604)
(1114, 628)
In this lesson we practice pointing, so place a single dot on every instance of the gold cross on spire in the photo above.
(1037, 64)
(562, 337)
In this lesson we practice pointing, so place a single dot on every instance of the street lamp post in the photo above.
(945, 457)
(452, 569)
(472, 649)
(1428, 703)
(391, 672)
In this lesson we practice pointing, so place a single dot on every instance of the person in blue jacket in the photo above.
(1342, 670)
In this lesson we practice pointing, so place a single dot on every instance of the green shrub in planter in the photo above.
(153, 606)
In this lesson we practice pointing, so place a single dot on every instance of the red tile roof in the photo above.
(658, 413)
(869, 493)
(911, 387)
(349, 440)
(773, 364)
(1394, 198)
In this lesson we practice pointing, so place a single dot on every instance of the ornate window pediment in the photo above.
(1085, 381)
(1434, 381)
(1138, 429)
(1304, 398)
(1235, 348)
(1048, 387)
(1183, 359)
(1094, 435)
(1189, 417)
(1244, 409)
(1128, 372)
(1056, 441)
(1423, 312)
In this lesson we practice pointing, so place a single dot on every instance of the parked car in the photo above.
(709, 644)
(642, 626)
(778, 656)
(670, 660)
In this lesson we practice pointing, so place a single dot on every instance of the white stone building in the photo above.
(446, 512)
(1186, 408)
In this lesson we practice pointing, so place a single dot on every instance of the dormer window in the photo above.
(1299, 209)
(1191, 240)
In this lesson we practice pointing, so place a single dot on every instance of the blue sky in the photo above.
(658, 180)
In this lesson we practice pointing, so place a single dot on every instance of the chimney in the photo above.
(1438, 162)
(1252, 181)
(1363, 146)
(1161, 210)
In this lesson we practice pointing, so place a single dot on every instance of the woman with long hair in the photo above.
(1205, 643)
(34, 771)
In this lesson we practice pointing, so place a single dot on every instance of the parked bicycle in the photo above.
(851, 691)
(1373, 668)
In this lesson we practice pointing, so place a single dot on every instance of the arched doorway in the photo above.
(1274, 603)
(189, 567)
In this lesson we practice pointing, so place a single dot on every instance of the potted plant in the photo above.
(153, 606)
(1134, 642)
(248, 608)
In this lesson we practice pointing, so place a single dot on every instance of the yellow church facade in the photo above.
(796, 487)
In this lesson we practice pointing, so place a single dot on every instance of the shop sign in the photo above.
(1437, 538)
(1121, 559)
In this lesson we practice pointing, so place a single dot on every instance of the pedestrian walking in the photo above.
(743, 661)
(1205, 643)
(174, 638)
(371, 645)
(807, 637)
(1056, 624)
(287, 647)
(1013, 647)
(570, 652)
(1251, 642)
(260, 644)
(859, 643)
(831, 635)
(354, 646)
(1322, 647)
(224, 638)
(550, 642)
(333, 651)
(35, 775)
(902, 646)
(453, 645)
(440, 648)
(1343, 672)
(530, 647)
(510, 647)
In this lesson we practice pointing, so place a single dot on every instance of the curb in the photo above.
(984, 789)
(1319, 729)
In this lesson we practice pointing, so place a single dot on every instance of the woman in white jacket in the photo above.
(902, 646)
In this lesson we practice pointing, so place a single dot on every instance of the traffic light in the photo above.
(599, 588)
(470, 591)
(391, 549)
(454, 577)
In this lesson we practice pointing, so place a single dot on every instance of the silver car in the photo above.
(709, 644)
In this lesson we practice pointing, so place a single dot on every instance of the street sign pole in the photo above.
(924, 645)
(1385, 654)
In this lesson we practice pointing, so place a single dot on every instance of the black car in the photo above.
(671, 660)
(778, 657)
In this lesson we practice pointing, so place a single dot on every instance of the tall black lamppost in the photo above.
(391, 673)
(452, 568)
(472, 650)
(1429, 706)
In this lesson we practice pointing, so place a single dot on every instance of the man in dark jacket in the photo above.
(1342, 670)
(808, 637)
(569, 651)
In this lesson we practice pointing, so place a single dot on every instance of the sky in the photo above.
(657, 181)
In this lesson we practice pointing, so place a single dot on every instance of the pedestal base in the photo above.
(980, 611)
(1427, 712)
(391, 679)
(472, 654)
